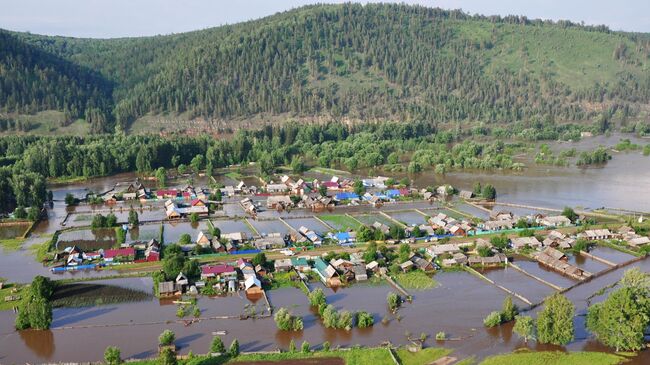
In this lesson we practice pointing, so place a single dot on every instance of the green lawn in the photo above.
(7, 291)
(554, 358)
(11, 244)
(423, 357)
(416, 279)
(362, 356)
(340, 221)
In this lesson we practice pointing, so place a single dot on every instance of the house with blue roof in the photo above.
(346, 195)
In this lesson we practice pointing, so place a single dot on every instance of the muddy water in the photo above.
(457, 306)
(544, 273)
(174, 230)
(269, 226)
(621, 183)
(410, 218)
(519, 283)
(586, 263)
(610, 254)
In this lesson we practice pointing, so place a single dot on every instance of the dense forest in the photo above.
(30, 160)
(372, 62)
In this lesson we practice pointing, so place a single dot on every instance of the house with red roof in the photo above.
(166, 193)
(119, 254)
(218, 271)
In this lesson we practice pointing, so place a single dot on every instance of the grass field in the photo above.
(11, 244)
(83, 295)
(7, 291)
(340, 221)
(417, 280)
(362, 356)
(554, 358)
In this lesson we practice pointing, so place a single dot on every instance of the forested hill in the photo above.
(370, 62)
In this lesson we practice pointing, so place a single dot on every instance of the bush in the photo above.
(509, 310)
(326, 346)
(364, 319)
(292, 346)
(441, 336)
(167, 357)
(166, 338)
(286, 321)
(493, 319)
(317, 298)
(217, 345)
(305, 347)
(393, 301)
(234, 348)
(112, 356)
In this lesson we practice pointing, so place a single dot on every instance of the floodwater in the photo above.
(13, 230)
(372, 218)
(621, 183)
(311, 223)
(531, 289)
(409, 217)
(457, 306)
(269, 226)
(543, 272)
(586, 263)
(88, 240)
(232, 226)
(174, 230)
(610, 254)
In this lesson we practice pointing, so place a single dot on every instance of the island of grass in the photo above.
(91, 294)
(415, 280)
(341, 222)
(554, 358)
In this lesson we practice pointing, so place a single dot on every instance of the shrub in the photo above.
(217, 345)
(234, 348)
(167, 357)
(326, 346)
(292, 346)
(509, 310)
(441, 336)
(305, 347)
(393, 301)
(364, 319)
(493, 319)
(286, 321)
(166, 338)
(112, 356)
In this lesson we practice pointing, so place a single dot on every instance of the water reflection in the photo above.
(41, 343)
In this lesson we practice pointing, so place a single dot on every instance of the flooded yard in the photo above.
(13, 230)
(174, 230)
(610, 254)
(372, 218)
(88, 239)
(310, 223)
(409, 218)
(232, 226)
(586, 263)
(540, 271)
(518, 282)
(269, 226)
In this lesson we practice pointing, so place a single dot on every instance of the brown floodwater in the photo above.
(457, 306)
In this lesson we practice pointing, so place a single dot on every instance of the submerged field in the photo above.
(85, 294)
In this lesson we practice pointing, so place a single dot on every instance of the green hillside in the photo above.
(373, 62)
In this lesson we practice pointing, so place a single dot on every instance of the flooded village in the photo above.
(450, 254)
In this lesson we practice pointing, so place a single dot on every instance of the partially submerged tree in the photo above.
(555, 321)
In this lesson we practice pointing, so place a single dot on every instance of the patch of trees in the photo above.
(332, 318)
(35, 309)
(101, 221)
(598, 156)
(620, 320)
(508, 312)
(286, 321)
